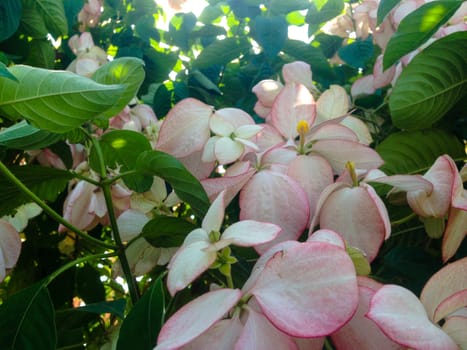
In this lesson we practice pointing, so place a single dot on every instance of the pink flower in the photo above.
(89, 57)
(10, 247)
(89, 15)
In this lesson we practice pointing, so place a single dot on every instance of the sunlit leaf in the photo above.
(433, 82)
(55, 101)
(417, 27)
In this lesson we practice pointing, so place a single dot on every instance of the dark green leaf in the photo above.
(142, 325)
(125, 70)
(10, 16)
(166, 231)
(55, 101)
(417, 27)
(284, 7)
(4, 72)
(47, 183)
(121, 148)
(270, 33)
(433, 82)
(158, 64)
(41, 54)
(221, 52)
(53, 13)
(89, 286)
(210, 14)
(161, 101)
(385, 6)
(357, 53)
(115, 307)
(32, 22)
(205, 82)
(180, 27)
(329, 44)
(409, 152)
(27, 320)
(26, 137)
(186, 186)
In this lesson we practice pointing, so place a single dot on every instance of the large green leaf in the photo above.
(417, 27)
(26, 137)
(47, 183)
(128, 71)
(385, 6)
(141, 327)
(32, 21)
(433, 82)
(56, 101)
(271, 33)
(186, 186)
(120, 149)
(10, 11)
(27, 320)
(221, 52)
(166, 231)
(53, 13)
(409, 152)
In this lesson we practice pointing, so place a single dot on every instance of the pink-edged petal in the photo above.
(451, 304)
(249, 233)
(314, 174)
(228, 150)
(359, 128)
(185, 128)
(221, 335)
(331, 131)
(382, 78)
(259, 334)
(402, 317)
(455, 326)
(215, 215)
(327, 236)
(442, 175)
(309, 290)
(130, 223)
(361, 333)
(294, 103)
(339, 152)
(266, 91)
(196, 317)
(333, 103)
(298, 72)
(446, 282)
(261, 110)
(456, 231)
(219, 126)
(247, 143)
(10, 244)
(209, 154)
(187, 264)
(363, 87)
(278, 155)
(406, 182)
(236, 117)
(193, 162)
(359, 215)
(278, 199)
(268, 137)
(230, 184)
(458, 194)
(247, 131)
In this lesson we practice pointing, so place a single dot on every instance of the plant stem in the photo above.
(106, 189)
(403, 220)
(327, 345)
(229, 281)
(48, 210)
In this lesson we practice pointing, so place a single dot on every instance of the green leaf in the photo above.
(141, 327)
(417, 27)
(186, 186)
(114, 307)
(55, 101)
(309, 54)
(433, 82)
(26, 137)
(27, 320)
(221, 52)
(89, 287)
(127, 71)
(10, 11)
(4, 72)
(385, 6)
(409, 152)
(270, 33)
(41, 54)
(53, 13)
(32, 21)
(120, 148)
(47, 183)
(329, 10)
(166, 231)
(357, 53)
(205, 82)
(284, 7)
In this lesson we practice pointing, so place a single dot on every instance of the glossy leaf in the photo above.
(385, 6)
(53, 13)
(125, 70)
(165, 231)
(120, 148)
(221, 52)
(433, 82)
(47, 183)
(26, 137)
(55, 101)
(186, 186)
(417, 27)
(27, 320)
(4, 72)
(270, 33)
(410, 152)
(141, 327)
(10, 18)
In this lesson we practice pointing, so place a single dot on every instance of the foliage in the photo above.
(177, 176)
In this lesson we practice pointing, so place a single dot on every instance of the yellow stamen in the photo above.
(302, 129)
(350, 166)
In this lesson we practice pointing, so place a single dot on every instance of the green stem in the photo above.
(106, 189)
(327, 344)
(229, 281)
(403, 220)
(48, 210)
(117, 177)
(85, 178)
